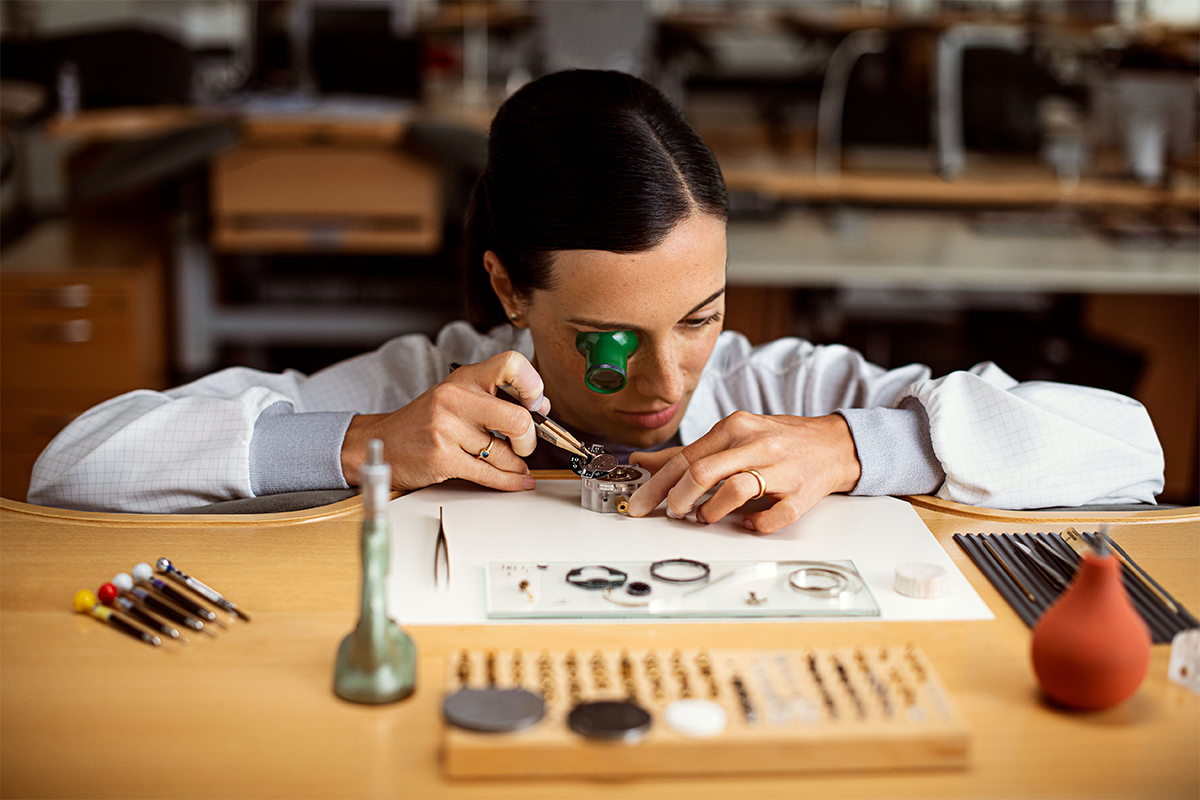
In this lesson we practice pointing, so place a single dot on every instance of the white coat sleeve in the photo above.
(159, 452)
(1031, 445)
(977, 436)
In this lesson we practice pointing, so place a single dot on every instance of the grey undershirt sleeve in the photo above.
(894, 449)
(292, 452)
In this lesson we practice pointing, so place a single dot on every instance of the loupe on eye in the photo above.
(607, 354)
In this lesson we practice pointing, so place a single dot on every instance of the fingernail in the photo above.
(747, 524)
(528, 483)
(673, 515)
(545, 408)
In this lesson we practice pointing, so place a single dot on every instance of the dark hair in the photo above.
(582, 160)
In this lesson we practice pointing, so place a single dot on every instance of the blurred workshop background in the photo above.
(195, 184)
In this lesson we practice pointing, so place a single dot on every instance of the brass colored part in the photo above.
(1080, 546)
(546, 676)
(464, 668)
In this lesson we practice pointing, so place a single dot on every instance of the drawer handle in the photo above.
(75, 295)
(72, 331)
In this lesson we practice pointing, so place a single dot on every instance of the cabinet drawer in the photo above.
(24, 434)
(97, 296)
(78, 351)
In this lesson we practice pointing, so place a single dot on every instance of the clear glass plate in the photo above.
(528, 590)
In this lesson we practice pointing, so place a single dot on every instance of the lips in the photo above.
(652, 419)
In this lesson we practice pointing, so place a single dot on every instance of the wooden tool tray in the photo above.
(884, 708)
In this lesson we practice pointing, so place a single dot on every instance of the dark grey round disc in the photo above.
(603, 464)
(622, 720)
(493, 710)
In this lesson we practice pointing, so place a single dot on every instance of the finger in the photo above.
(490, 413)
(653, 461)
(478, 470)
(654, 491)
(500, 456)
(704, 474)
(512, 371)
(780, 515)
(738, 489)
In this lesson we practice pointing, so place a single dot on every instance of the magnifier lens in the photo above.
(607, 355)
(606, 378)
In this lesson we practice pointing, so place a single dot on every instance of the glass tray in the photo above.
(731, 589)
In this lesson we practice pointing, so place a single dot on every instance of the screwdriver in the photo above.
(85, 603)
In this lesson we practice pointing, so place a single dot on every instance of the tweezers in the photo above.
(441, 552)
(548, 429)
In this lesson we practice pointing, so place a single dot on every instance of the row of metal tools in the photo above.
(148, 608)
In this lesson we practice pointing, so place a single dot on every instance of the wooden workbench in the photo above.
(85, 712)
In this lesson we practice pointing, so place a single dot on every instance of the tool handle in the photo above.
(133, 630)
(131, 608)
(183, 601)
(167, 610)
(207, 592)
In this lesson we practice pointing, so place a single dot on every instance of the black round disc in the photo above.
(493, 710)
(638, 588)
(621, 720)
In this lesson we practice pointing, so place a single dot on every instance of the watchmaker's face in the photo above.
(672, 297)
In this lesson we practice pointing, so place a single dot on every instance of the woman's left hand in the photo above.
(800, 459)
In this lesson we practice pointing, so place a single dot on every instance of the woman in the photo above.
(601, 209)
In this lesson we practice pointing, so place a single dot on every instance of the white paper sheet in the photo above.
(549, 524)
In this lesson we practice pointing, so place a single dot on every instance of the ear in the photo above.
(503, 288)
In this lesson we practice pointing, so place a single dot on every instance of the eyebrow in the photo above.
(621, 326)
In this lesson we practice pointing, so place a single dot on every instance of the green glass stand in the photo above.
(376, 662)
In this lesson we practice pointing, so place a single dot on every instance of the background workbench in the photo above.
(87, 712)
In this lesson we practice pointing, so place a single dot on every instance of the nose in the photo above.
(655, 371)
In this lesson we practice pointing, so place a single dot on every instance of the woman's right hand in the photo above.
(439, 435)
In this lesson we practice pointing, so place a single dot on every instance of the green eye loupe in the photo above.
(607, 355)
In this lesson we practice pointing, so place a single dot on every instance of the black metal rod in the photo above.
(983, 560)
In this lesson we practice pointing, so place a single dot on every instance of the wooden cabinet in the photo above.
(81, 320)
(281, 198)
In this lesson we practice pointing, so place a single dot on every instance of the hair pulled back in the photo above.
(582, 160)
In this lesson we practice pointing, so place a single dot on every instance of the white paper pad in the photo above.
(549, 524)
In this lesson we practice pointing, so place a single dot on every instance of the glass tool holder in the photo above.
(677, 588)
(852, 708)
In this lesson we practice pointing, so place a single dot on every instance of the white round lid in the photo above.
(694, 717)
(921, 579)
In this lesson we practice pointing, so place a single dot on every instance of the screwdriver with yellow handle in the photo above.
(86, 603)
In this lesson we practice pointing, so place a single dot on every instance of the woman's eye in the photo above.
(700, 322)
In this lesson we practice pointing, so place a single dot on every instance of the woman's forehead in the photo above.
(681, 275)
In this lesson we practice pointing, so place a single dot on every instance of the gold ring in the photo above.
(487, 451)
(762, 485)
